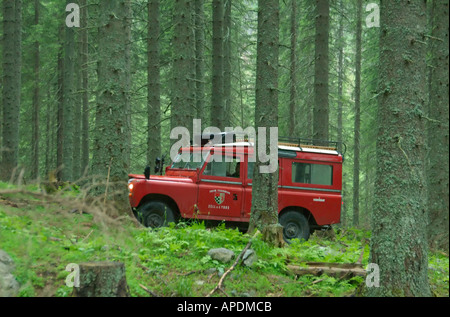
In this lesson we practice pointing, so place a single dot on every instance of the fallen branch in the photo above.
(87, 236)
(332, 269)
(148, 291)
(190, 273)
(317, 281)
(219, 285)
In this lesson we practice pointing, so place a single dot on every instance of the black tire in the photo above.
(295, 226)
(155, 214)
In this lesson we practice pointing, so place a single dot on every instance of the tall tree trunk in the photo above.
(293, 69)
(399, 239)
(438, 143)
(357, 114)
(110, 160)
(217, 109)
(340, 101)
(85, 88)
(227, 65)
(153, 101)
(77, 109)
(12, 83)
(36, 103)
(68, 104)
(49, 131)
(60, 97)
(128, 78)
(321, 107)
(200, 59)
(183, 101)
(341, 45)
(264, 211)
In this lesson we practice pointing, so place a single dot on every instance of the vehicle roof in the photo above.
(248, 147)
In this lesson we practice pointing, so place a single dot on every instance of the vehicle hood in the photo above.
(182, 179)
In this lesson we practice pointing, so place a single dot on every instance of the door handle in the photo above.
(235, 197)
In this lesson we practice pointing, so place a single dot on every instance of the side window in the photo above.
(251, 166)
(224, 168)
(307, 173)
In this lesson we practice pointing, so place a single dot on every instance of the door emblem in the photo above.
(219, 195)
(219, 198)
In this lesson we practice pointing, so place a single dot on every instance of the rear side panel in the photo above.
(313, 182)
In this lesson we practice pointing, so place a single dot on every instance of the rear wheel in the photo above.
(155, 214)
(295, 226)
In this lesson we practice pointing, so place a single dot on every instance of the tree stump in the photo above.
(273, 235)
(102, 279)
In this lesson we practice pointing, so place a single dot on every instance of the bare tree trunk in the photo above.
(227, 65)
(264, 212)
(60, 97)
(438, 141)
(85, 88)
(357, 115)
(321, 106)
(399, 236)
(293, 69)
(77, 109)
(153, 101)
(183, 97)
(341, 74)
(12, 83)
(217, 109)
(341, 46)
(111, 138)
(200, 60)
(49, 132)
(36, 103)
(68, 104)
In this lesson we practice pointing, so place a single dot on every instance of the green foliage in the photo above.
(43, 239)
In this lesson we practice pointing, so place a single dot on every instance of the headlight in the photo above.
(130, 187)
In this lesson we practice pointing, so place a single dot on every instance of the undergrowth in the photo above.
(43, 235)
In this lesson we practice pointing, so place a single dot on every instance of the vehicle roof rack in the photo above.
(313, 144)
(206, 138)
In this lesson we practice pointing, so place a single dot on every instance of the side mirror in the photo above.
(147, 172)
(159, 163)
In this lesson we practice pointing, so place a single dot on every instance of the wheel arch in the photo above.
(309, 216)
(162, 198)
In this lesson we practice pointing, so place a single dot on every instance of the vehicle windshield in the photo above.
(192, 163)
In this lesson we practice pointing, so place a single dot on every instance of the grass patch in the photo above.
(43, 236)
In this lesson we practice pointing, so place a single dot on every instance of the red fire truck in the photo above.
(309, 186)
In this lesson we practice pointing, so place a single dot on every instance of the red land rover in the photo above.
(309, 187)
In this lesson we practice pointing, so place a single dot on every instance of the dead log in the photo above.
(347, 270)
(102, 279)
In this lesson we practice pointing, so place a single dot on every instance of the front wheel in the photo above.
(155, 214)
(295, 226)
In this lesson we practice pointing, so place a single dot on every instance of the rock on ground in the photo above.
(249, 257)
(221, 254)
(9, 287)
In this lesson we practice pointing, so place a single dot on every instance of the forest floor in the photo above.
(43, 234)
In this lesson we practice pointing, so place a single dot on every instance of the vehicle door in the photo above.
(220, 191)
